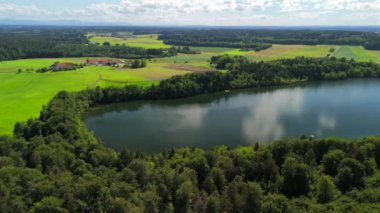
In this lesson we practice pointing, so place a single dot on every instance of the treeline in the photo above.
(298, 69)
(20, 44)
(184, 50)
(198, 42)
(54, 164)
(138, 64)
(249, 38)
(57, 68)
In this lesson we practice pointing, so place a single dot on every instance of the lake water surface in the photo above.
(349, 109)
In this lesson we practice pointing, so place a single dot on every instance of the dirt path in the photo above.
(93, 85)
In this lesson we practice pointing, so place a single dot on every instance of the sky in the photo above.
(196, 12)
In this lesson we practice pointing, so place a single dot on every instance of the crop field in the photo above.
(196, 60)
(358, 53)
(202, 60)
(280, 52)
(143, 41)
(290, 51)
(219, 50)
(239, 52)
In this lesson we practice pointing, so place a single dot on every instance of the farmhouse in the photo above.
(100, 62)
(108, 62)
(62, 66)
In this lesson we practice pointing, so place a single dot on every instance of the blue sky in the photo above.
(197, 12)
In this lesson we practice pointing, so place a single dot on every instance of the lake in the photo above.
(349, 109)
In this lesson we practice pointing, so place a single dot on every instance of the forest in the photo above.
(54, 164)
(56, 43)
(50, 42)
(262, 39)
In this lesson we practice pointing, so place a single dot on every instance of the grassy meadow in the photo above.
(358, 53)
(34, 64)
(143, 41)
(23, 95)
(291, 51)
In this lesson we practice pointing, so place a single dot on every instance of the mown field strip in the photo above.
(143, 41)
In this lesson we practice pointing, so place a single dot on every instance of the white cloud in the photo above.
(232, 12)
(351, 5)
(291, 5)
(187, 6)
(10, 10)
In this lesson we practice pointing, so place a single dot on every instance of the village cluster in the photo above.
(58, 66)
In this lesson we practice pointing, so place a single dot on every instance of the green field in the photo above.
(219, 50)
(143, 41)
(358, 53)
(23, 95)
(274, 53)
(285, 51)
(291, 51)
(13, 66)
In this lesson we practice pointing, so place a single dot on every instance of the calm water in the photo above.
(349, 109)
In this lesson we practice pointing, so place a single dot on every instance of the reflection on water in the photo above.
(189, 117)
(264, 120)
(325, 123)
(347, 109)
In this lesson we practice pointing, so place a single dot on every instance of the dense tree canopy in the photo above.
(55, 43)
(261, 39)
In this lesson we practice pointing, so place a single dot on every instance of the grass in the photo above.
(197, 60)
(212, 49)
(144, 41)
(23, 95)
(358, 53)
(202, 59)
(13, 66)
(283, 51)
(238, 52)
(290, 51)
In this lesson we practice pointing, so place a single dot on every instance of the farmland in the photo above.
(290, 51)
(358, 53)
(276, 52)
(143, 41)
(24, 94)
